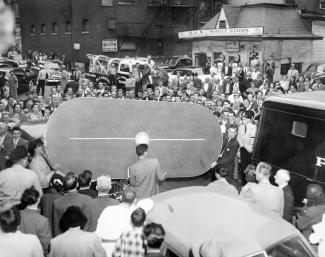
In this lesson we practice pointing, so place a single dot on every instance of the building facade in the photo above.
(248, 34)
(115, 28)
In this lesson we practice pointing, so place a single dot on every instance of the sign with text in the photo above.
(76, 46)
(257, 31)
(109, 45)
(232, 46)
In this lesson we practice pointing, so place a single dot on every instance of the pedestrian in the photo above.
(13, 85)
(41, 80)
(64, 77)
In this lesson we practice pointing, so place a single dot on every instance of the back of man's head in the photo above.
(104, 184)
(84, 178)
(128, 195)
(70, 181)
(154, 234)
(284, 175)
(138, 217)
(223, 172)
(141, 149)
(264, 169)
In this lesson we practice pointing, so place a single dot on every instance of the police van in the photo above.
(291, 136)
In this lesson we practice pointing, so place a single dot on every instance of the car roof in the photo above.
(190, 215)
(314, 100)
(316, 62)
(7, 69)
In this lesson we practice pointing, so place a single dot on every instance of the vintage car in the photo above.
(176, 62)
(192, 215)
(189, 72)
(26, 77)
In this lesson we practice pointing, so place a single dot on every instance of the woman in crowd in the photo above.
(313, 210)
(14, 243)
(55, 191)
(17, 115)
(35, 114)
(75, 242)
(32, 222)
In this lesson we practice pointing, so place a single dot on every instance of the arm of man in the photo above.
(160, 175)
(132, 177)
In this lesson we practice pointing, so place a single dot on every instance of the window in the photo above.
(322, 4)
(54, 28)
(124, 67)
(68, 27)
(43, 29)
(19, 73)
(107, 2)
(126, 2)
(222, 24)
(286, 66)
(85, 25)
(32, 30)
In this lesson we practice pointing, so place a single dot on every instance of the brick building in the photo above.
(128, 27)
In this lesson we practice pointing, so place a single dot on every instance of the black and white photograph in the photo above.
(162, 128)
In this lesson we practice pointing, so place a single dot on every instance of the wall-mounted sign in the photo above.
(232, 46)
(257, 31)
(109, 45)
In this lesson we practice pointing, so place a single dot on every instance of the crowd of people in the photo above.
(46, 212)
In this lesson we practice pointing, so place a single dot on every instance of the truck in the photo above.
(291, 136)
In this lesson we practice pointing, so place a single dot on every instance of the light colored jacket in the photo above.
(246, 139)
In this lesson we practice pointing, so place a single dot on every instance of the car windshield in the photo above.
(321, 68)
(290, 247)
(171, 61)
(51, 66)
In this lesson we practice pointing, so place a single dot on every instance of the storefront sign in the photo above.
(109, 45)
(257, 31)
(232, 46)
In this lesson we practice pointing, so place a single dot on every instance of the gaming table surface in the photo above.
(99, 135)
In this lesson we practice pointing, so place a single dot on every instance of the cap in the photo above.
(142, 138)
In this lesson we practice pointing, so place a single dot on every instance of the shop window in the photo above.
(286, 66)
(68, 27)
(43, 29)
(322, 4)
(33, 30)
(54, 28)
(222, 24)
(85, 25)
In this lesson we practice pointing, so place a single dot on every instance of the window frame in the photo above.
(67, 25)
(55, 28)
(322, 2)
(33, 30)
(43, 29)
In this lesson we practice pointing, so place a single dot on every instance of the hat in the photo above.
(208, 248)
(142, 138)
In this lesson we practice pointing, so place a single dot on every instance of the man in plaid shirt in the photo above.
(132, 243)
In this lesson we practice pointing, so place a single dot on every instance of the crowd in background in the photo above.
(69, 218)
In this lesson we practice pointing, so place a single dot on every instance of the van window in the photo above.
(289, 247)
(125, 67)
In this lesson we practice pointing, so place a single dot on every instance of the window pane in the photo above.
(54, 28)
(43, 29)
(33, 29)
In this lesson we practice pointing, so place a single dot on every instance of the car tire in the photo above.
(31, 85)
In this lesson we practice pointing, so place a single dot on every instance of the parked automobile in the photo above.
(26, 78)
(316, 66)
(6, 62)
(189, 72)
(99, 66)
(53, 71)
(126, 66)
(191, 215)
(176, 62)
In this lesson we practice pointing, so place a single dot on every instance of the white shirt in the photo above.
(246, 136)
(19, 244)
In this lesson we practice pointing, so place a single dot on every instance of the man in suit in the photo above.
(10, 143)
(264, 194)
(4, 150)
(103, 200)
(177, 82)
(221, 184)
(282, 178)
(145, 173)
(229, 151)
(84, 181)
(72, 198)
(75, 242)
